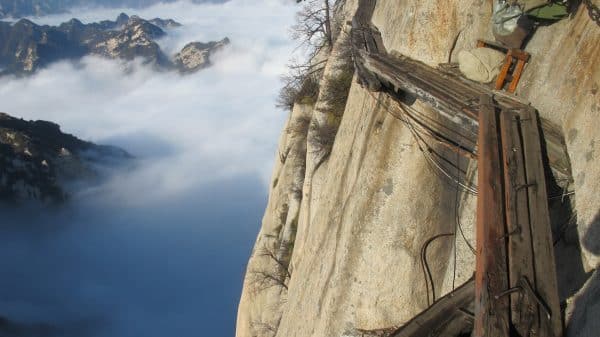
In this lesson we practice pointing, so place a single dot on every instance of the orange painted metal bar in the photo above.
(504, 71)
(516, 75)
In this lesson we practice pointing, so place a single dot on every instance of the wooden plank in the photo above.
(491, 314)
(458, 325)
(433, 74)
(370, 42)
(448, 106)
(444, 315)
(456, 113)
(520, 255)
(545, 283)
(376, 35)
(427, 77)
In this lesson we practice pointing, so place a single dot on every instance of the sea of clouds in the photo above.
(158, 249)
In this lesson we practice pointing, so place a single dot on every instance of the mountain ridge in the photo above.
(38, 160)
(26, 47)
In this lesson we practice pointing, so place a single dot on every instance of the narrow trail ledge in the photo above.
(455, 98)
(466, 104)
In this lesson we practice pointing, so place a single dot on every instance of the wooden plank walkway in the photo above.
(453, 97)
(544, 283)
(491, 277)
(515, 287)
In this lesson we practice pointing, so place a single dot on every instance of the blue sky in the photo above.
(158, 249)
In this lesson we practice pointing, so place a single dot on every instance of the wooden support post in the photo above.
(545, 283)
(491, 313)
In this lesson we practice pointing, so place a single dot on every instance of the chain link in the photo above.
(593, 10)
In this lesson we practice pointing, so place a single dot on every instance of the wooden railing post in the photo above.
(491, 313)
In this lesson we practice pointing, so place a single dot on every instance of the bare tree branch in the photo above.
(272, 274)
(313, 24)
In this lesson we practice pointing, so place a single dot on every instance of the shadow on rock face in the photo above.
(586, 310)
(591, 239)
(570, 271)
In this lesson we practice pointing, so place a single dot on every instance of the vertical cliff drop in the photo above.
(369, 205)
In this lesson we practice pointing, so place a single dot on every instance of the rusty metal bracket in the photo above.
(520, 187)
(516, 230)
(524, 287)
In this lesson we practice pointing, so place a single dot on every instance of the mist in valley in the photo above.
(159, 247)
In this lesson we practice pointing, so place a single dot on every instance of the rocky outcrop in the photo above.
(196, 55)
(37, 160)
(134, 38)
(26, 47)
(342, 256)
(165, 23)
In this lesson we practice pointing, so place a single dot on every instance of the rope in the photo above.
(425, 266)
(456, 215)
(458, 224)
(425, 149)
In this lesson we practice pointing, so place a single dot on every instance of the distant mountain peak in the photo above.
(196, 55)
(28, 47)
(122, 19)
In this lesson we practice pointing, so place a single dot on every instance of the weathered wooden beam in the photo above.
(453, 97)
(520, 256)
(515, 279)
(491, 313)
(444, 103)
(545, 282)
(447, 317)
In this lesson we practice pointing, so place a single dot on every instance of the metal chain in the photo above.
(593, 10)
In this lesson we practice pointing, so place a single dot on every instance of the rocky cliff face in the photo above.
(38, 161)
(339, 251)
(26, 47)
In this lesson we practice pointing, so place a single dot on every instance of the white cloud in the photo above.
(220, 121)
(158, 250)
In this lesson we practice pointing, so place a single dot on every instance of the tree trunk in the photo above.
(328, 34)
